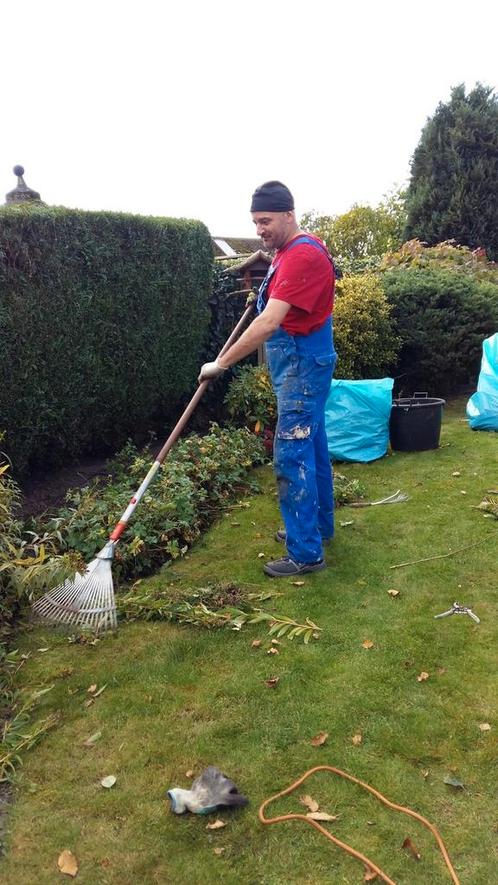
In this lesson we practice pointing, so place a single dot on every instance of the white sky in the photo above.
(182, 108)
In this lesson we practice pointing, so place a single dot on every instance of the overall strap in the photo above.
(304, 238)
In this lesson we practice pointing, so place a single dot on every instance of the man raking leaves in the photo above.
(294, 307)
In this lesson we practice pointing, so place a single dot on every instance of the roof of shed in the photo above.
(231, 247)
(248, 262)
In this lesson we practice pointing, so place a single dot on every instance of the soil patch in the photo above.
(47, 491)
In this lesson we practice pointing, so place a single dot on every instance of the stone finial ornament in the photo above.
(22, 193)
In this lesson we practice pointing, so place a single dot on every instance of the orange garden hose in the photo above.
(370, 865)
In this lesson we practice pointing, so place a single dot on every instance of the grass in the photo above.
(180, 698)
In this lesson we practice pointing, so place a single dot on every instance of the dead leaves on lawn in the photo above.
(311, 804)
(313, 807)
(94, 693)
(216, 825)
(272, 681)
(410, 848)
(423, 676)
(67, 863)
(319, 739)
(367, 643)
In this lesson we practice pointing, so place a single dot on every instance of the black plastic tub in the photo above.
(415, 423)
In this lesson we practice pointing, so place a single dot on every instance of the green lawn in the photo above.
(179, 698)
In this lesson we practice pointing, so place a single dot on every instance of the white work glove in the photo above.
(211, 370)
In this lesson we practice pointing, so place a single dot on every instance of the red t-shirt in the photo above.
(304, 278)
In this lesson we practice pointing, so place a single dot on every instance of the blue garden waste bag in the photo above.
(357, 419)
(482, 407)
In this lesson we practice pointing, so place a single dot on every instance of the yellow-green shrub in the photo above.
(363, 331)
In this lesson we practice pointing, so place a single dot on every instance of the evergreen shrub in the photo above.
(103, 317)
(442, 317)
(364, 335)
(227, 306)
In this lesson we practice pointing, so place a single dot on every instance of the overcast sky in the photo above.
(183, 108)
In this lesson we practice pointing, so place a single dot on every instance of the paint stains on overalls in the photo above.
(301, 369)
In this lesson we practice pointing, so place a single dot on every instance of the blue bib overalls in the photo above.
(301, 369)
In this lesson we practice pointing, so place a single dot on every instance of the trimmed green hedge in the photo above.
(102, 321)
(442, 317)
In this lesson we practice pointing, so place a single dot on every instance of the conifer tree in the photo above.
(453, 191)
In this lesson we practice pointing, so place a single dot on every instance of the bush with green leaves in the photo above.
(358, 238)
(365, 339)
(447, 255)
(250, 400)
(196, 481)
(442, 317)
(103, 317)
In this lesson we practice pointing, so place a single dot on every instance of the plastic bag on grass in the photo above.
(482, 407)
(357, 419)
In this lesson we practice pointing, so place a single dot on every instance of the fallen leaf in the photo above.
(485, 726)
(319, 739)
(425, 772)
(218, 851)
(89, 702)
(310, 803)
(453, 782)
(189, 773)
(367, 643)
(216, 825)
(43, 649)
(370, 875)
(410, 847)
(235, 523)
(357, 739)
(423, 676)
(90, 741)
(273, 651)
(261, 555)
(393, 592)
(348, 522)
(272, 681)
(67, 863)
(256, 643)
(276, 642)
(92, 688)
(97, 693)
(297, 583)
(108, 781)
(321, 815)
(456, 473)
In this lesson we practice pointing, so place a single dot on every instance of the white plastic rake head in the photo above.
(86, 600)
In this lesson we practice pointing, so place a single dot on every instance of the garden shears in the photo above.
(457, 609)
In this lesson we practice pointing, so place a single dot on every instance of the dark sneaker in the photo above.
(281, 537)
(287, 568)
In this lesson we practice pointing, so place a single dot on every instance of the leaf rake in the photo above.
(87, 600)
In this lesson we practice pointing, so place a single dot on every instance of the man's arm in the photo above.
(260, 329)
